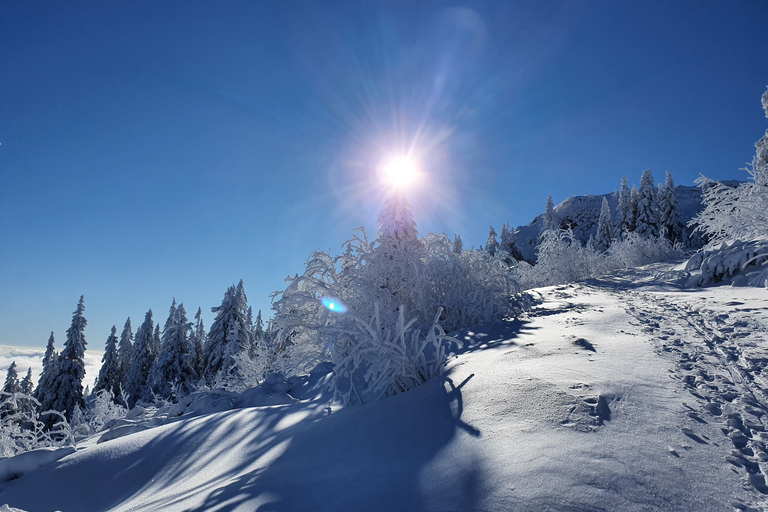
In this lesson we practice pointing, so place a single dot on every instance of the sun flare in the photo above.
(400, 172)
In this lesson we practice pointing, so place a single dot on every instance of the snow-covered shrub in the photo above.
(635, 251)
(24, 430)
(748, 260)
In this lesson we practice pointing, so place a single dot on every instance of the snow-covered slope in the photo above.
(623, 393)
(583, 212)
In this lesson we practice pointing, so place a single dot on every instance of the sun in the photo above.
(400, 171)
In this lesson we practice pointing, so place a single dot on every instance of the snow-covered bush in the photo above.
(635, 251)
(748, 260)
(24, 430)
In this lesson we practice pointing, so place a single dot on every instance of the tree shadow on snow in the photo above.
(374, 457)
(496, 334)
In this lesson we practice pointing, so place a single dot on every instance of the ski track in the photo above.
(720, 355)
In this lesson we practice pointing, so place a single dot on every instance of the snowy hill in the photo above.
(583, 212)
(622, 393)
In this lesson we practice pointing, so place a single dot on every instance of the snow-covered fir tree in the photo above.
(49, 369)
(669, 216)
(109, 374)
(198, 342)
(157, 340)
(66, 390)
(124, 354)
(230, 336)
(605, 229)
(508, 245)
(142, 360)
(174, 369)
(647, 218)
(634, 198)
(549, 221)
(26, 385)
(11, 380)
(458, 246)
(624, 218)
(258, 335)
(492, 245)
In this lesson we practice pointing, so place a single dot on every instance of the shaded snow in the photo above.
(622, 393)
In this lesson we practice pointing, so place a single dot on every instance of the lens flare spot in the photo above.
(333, 304)
(400, 171)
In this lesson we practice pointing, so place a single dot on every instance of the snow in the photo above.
(627, 392)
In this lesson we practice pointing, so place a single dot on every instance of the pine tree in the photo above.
(142, 360)
(109, 375)
(458, 246)
(230, 335)
(199, 342)
(548, 221)
(258, 335)
(669, 214)
(634, 197)
(50, 368)
(12, 380)
(66, 391)
(492, 246)
(508, 245)
(647, 219)
(26, 385)
(624, 217)
(157, 340)
(8, 403)
(175, 365)
(604, 228)
(124, 355)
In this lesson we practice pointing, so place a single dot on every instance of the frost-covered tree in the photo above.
(508, 245)
(491, 246)
(647, 219)
(458, 246)
(157, 340)
(198, 342)
(11, 380)
(124, 355)
(174, 369)
(549, 221)
(50, 369)
(669, 215)
(142, 359)
(634, 197)
(605, 229)
(66, 392)
(739, 213)
(26, 385)
(624, 218)
(109, 374)
(230, 335)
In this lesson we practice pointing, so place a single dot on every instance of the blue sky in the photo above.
(152, 150)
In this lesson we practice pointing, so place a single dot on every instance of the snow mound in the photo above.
(15, 467)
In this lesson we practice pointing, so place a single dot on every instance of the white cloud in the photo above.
(31, 357)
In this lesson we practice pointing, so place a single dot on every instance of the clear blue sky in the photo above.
(153, 150)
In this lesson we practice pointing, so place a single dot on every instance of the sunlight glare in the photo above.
(400, 172)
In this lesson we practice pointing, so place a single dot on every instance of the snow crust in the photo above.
(623, 393)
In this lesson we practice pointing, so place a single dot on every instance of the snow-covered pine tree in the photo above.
(50, 369)
(124, 355)
(11, 380)
(258, 335)
(624, 219)
(458, 246)
(142, 360)
(26, 385)
(605, 230)
(491, 246)
(109, 375)
(548, 221)
(174, 368)
(634, 197)
(198, 342)
(157, 340)
(66, 390)
(647, 219)
(508, 245)
(230, 335)
(669, 216)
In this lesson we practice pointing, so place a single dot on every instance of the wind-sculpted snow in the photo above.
(628, 392)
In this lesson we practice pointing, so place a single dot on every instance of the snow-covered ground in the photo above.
(623, 393)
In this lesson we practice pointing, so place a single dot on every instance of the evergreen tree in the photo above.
(647, 219)
(258, 334)
(508, 245)
(492, 246)
(634, 197)
(549, 222)
(109, 375)
(157, 340)
(124, 355)
(458, 246)
(66, 390)
(50, 368)
(142, 360)
(230, 335)
(12, 380)
(624, 217)
(604, 228)
(174, 368)
(26, 385)
(669, 215)
(199, 342)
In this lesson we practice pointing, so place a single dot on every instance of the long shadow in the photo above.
(496, 334)
(371, 457)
